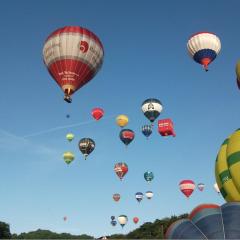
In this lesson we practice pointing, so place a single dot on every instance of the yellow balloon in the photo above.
(122, 120)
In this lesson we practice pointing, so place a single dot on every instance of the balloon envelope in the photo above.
(121, 169)
(97, 113)
(73, 55)
(113, 223)
(122, 120)
(86, 146)
(139, 196)
(148, 176)
(187, 187)
(116, 197)
(70, 137)
(68, 157)
(122, 219)
(201, 186)
(135, 220)
(149, 194)
(126, 136)
(147, 130)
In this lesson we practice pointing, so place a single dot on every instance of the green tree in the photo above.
(4, 231)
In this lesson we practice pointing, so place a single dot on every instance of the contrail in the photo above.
(63, 127)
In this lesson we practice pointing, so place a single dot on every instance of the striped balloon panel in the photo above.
(231, 220)
(202, 41)
(184, 229)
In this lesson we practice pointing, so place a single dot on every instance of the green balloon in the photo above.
(68, 157)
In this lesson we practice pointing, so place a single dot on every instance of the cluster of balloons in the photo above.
(122, 219)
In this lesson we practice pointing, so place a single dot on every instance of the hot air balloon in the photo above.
(148, 176)
(201, 186)
(135, 220)
(147, 130)
(216, 188)
(208, 221)
(126, 136)
(86, 146)
(68, 157)
(152, 108)
(121, 169)
(114, 223)
(227, 168)
(122, 120)
(97, 113)
(116, 197)
(73, 55)
(122, 219)
(204, 47)
(70, 137)
(65, 218)
(187, 187)
(238, 74)
(165, 127)
(67, 116)
(139, 196)
(112, 217)
(149, 194)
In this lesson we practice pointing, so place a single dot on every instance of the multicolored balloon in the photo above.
(149, 194)
(122, 219)
(204, 47)
(73, 56)
(147, 130)
(97, 113)
(139, 196)
(187, 187)
(148, 176)
(135, 220)
(70, 137)
(201, 186)
(152, 108)
(126, 136)
(121, 169)
(116, 197)
(122, 120)
(68, 157)
(86, 146)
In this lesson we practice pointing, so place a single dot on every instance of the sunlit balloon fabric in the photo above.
(187, 187)
(152, 108)
(97, 113)
(208, 221)
(122, 219)
(204, 47)
(216, 188)
(70, 137)
(121, 169)
(149, 194)
(165, 127)
(122, 120)
(227, 168)
(86, 146)
(73, 56)
(68, 157)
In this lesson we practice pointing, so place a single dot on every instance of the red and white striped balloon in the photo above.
(187, 187)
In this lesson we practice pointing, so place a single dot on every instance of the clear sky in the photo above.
(145, 56)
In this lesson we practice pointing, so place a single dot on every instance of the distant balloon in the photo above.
(122, 219)
(116, 197)
(97, 113)
(216, 188)
(73, 55)
(204, 47)
(238, 74)
(64, 218)
(135, 220)
(148, 176)
(114, 223)
(201, 186)
(126, 136)
(86, 146)
(139, 196)
(187, 187)
(112, 217)
(121, 169)
(67, 116)
(152, 108)
(149, 194)
(122, 120)
(70, 137)
(68, 157)
(147, 130)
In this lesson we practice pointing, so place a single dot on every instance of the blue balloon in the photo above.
(147, 130)
(114, 223)
(148, 176)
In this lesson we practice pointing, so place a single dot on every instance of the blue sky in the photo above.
(145, 56)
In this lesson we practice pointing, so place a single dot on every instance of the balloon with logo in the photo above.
(126, 136)
(70, 137)
(122, 120)
(97, 113)
(68, 157)
(116, 197)
(73, 55)
(135, 220)
(187, 187)
(152, 108)
(147, 130)
(204, 47)
(122, 219)
(149, 194)
(139, 196)
(201, 186)
(121, 169)
(86, 146)
(148, 176)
